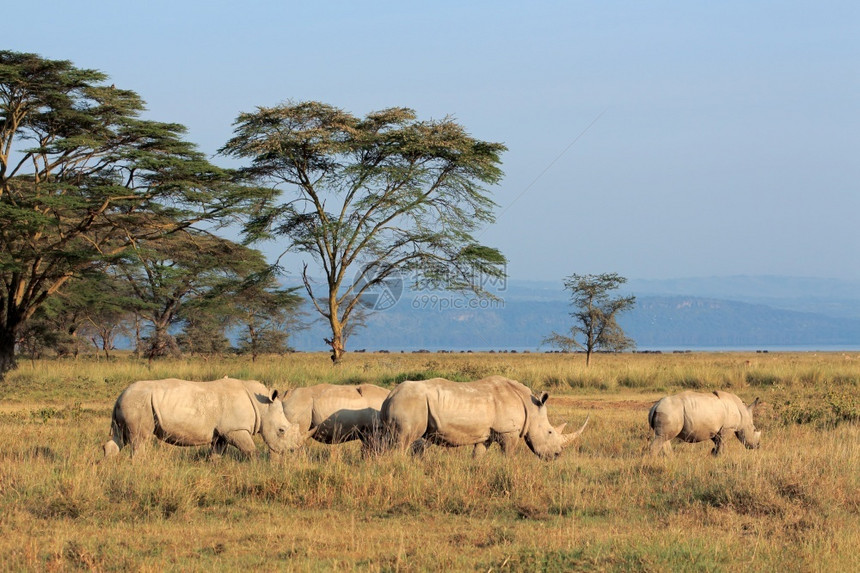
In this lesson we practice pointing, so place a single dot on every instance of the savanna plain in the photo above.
(792, 505)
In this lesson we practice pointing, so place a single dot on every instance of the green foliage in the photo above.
(187, 278)
(203, 335)
(539, 560)
(265, 314)
(838, 406)
(82, 179)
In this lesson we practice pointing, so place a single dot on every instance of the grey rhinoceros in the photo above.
(697, 417)
(333, 414)
(183, 413)
(494, 409)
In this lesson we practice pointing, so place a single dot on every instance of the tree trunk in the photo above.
(337, 350)
(162, 344)
(336, 340)
(253, 342)
(7, 351)
(137, 340)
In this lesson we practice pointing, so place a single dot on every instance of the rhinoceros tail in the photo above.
(652, 414)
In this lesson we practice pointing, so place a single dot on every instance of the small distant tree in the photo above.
(171, 277)
(266, 315)
(111, 316)
(203, 334)
(595, 326)
(40, 336)
(59, 322)
(98, 309)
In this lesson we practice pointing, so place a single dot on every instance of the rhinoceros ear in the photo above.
(543, 398)
(754, 404)
(274, 395)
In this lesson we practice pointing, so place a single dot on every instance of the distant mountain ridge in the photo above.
(727, 312)
(838, 298)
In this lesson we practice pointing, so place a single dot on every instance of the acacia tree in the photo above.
(203, 334)
(94, 308)
(368, 198)
(266, 315)
(252, 304)
(109, 309)
(82, 177)
(179, 273)
(595, 315)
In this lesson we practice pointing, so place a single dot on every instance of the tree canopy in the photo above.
(83, 178)
(369, 197)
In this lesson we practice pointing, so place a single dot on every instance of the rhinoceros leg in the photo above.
(219, 445)
(508, 442)
(140, 434)
(138, 444)
(369, 446)
(417, 447)
(718, 443)
(479, 450)
(372, 440)
(241, 439)
(661, 444)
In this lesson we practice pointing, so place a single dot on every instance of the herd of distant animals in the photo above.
(409, 417)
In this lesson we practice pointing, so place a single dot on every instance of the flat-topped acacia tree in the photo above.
(370, 197)
(82, 178)
(596, 315)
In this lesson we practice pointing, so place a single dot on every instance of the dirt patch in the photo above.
(591, 404)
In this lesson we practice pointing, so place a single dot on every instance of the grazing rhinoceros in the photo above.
(696, 417)
(183, 413)
(333, 414)
(493, 409)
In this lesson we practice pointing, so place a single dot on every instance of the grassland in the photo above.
(793, 505)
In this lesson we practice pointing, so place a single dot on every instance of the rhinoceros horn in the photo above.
(568, 438)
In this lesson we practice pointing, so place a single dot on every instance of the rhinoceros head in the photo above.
(747, 434)
(542, 438)
(279, 434)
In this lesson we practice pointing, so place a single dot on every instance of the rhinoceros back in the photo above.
(188, 414)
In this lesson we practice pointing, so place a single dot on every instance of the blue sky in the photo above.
(652, 139)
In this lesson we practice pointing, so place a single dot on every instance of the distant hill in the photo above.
(676, 321)
(736, 312)
(830, 297)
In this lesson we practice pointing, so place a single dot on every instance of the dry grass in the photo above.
(793, 505)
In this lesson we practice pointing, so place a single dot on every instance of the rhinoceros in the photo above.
(333, 414)
(183, 413)
(493, 409)
(696, 417)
